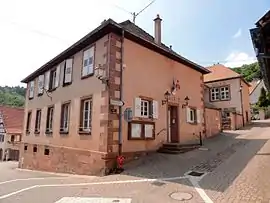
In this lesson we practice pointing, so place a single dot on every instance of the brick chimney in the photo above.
(157, 21)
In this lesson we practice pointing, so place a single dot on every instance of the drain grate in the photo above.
(195, 173)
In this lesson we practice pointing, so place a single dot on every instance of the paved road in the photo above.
(235, 166)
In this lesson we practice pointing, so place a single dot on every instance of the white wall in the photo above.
(253, 98)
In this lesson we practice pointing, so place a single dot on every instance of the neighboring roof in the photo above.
(253, 85)
(131, 31)
(221, 72)
(12, 118)
(264, 19)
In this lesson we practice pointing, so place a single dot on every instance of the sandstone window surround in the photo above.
(65, 118)
(86, 116)
(220, 93)
(145, 107)
(38, 121)
(88, 62)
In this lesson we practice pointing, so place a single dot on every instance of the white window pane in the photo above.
(149, 131)
(136, 130)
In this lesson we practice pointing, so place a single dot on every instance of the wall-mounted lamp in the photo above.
(186, 102)
(166, 96)
(100, 73)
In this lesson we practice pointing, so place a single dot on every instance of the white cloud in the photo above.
(237, 59)
(237, 34)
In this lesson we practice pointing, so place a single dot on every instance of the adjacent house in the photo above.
(255, 91)
(226, 89)
(11, 128)
(118, 90)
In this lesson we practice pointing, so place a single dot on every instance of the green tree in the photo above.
(12, 96)
(250, 71)
(263, 99)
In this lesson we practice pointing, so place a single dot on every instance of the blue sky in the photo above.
(205, 31)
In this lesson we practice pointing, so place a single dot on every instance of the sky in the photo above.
(204, 31)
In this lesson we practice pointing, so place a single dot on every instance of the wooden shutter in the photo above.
(155, 109)
(91, 57)
(57, 79)
(47, 80)
(137, 107)
(188, 114)
(198, 115)
(40, 84)
(31, 89)
(68, 71)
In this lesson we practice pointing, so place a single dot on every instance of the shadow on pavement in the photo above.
(220, 149)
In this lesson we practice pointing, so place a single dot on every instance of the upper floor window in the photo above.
(28, 122)
(220, 93)
(38, 121)
(54, 78)
(49, 123)
(68, 71)
(65, 118)
(88, 62)
(40, 84)
(2, 137)
(86, 115)
(145, 108)
(31, 89)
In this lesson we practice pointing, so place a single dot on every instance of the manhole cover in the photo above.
(181, 196)
(195, 173)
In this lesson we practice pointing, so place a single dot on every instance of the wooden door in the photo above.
(174, 124)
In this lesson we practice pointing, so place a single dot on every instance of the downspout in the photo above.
(120, 134)
(241, 100)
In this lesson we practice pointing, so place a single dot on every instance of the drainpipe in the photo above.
(120, 134)
(241, 100)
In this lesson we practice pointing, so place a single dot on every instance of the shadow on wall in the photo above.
(221, 148)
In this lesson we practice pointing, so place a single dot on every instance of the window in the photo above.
(40, 84)
(140, 130)
(35, 148)
(46, 151)
(29, 115)
(38, 120)
(2, 137)
(68, 72)
(12, 138)
(65, 109)
(54, 78)
(31, 89)
(214, 94)
(224, 93)
(145, 108)
(49, 123)
(191, 115)
(220, 93)
(25, 147)
(88, 62)
(86, 114)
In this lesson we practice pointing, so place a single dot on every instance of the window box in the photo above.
(141, 130)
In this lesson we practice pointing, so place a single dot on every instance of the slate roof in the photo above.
(12, 119)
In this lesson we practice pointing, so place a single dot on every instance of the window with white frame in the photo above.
(224, 93)
(88, 62)
(86, 115)
(145, 104)
(49, 123)
(214, 94)
(65, 117)
(191, 115)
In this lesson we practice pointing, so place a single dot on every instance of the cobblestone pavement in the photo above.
(236, 165)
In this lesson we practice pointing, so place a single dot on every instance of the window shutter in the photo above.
(31, 89)
(57, 76)
(47, 80)
(40, 84)
(198, 115)
(68, 71)
(188, 114)
(137, 107)
(155, 109)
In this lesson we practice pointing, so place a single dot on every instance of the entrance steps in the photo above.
(177, 148)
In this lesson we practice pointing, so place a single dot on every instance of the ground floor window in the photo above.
(138, 130)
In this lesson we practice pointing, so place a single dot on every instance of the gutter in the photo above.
(120, 135)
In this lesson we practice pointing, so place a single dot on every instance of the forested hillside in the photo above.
(250, 72)
(12, 96)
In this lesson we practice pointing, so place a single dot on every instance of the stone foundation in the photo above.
(63, 160)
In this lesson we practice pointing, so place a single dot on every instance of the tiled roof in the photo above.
(220, 72)
(12, 118)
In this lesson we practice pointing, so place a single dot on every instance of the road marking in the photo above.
(201, 192)
(24, 179)
(92, 183)
(93, 200)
